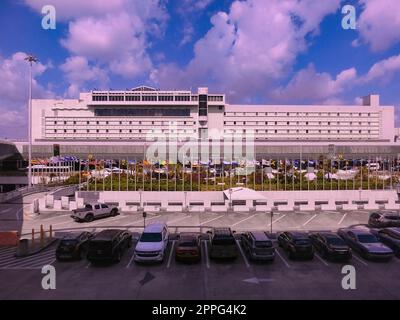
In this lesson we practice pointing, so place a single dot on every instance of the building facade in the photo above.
(121, 122)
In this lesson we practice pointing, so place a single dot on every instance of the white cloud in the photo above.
(14, 89)
(114, 33)
(383, 70)
(379, 23)
(79, 73)
(251, 46)
(308, 85)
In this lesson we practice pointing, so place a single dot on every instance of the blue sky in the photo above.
(255, 51)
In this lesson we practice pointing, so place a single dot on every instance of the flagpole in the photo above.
(262, 174)
(135, 173)
(183, 172)
(285, 174)
(331, 175)
(151, 176)
(368, 172)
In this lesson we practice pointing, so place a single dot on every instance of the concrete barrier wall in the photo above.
(282, 200)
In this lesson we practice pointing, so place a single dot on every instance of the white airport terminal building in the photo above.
(108, 124)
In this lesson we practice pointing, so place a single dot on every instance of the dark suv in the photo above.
(296, 244)
(73, 246)
(384, 219)
(331, 246)
(109, 245)
(223, 244)
(258, 246)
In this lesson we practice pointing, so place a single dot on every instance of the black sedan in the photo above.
(331, 246)
(366, 244)
(384, 219)
(296, 244)
(390, 237)
(73, 246)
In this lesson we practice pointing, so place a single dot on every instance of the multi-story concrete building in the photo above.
(106, 123)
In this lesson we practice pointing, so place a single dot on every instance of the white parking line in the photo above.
(131, 260)
(171, 254)
(141, 220)
(61, 223)
(88, 265)
(282, 258)
(179, 219)
(276, 220)
(360, 260)
(320, 259)
(341, 220)
(206, 254)
(105, 221)
(17, 214)
(240, 221)
(309, 220)
(242, 253)
(203, 223)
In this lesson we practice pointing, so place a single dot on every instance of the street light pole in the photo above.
(30, 59)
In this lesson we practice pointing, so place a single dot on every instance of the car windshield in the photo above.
(333, 241)
(223, 241)
(367, 238)
(151, 237)
(263, 244)
(88, 206)
(302, 242)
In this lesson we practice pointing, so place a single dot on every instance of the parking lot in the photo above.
(239, 279)
(317, 220)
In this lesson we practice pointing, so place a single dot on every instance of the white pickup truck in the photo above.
(94, 211)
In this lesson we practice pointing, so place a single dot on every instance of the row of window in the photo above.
(296, 114)
(151, 97)
(293, 123)
(301, 131)
(121, 131)
(74, 122)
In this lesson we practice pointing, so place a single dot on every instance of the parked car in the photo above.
(373, 166)
(384, 219)
(73, 246)
(366, 244)
(94, 211)
(109, 245)
(391, 238)
(152, 244)
(331, 246)
(188, 248)
(296, 244)
(258, 246)
(223, 244)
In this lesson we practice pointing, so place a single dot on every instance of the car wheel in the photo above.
(89, 217)
(114, 212)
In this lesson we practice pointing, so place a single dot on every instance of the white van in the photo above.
(152, 243)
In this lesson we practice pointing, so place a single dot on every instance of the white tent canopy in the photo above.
(243, 194)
